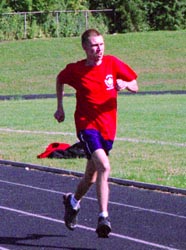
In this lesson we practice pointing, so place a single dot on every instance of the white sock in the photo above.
(103, 214)
(75, 203)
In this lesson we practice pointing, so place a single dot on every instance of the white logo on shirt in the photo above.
(109, 82)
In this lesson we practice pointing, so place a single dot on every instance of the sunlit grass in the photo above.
(155, 123)
(31, 66)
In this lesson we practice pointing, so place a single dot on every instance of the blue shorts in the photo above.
(93, 140)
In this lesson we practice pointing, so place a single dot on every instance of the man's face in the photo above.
(94, 49)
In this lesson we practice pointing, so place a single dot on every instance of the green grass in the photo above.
(157, 123)
(31, 66)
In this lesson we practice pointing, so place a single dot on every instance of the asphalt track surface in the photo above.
(31, 213)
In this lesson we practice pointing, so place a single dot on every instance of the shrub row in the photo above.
(126, 16)
(53, 24)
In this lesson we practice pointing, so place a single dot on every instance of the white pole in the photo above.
(86, 20)
(57, 23)
(25, 26)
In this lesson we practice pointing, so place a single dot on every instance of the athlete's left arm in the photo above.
(131, 86)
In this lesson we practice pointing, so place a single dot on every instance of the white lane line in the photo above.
(94, 199)
(3, 248)
(150, 210)
(135, 140)
(9, 130)
(176, 144)
(88, 228)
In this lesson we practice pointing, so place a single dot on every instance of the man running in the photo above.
(96, 79)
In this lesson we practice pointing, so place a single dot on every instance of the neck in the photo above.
(92, 62)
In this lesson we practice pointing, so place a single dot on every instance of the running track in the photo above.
(31, 213)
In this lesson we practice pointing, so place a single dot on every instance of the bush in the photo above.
(11, 27)
(166, 15)
(49, 25)
(130, 17)
(127, 16)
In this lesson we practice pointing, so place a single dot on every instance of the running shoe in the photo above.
(103, 227)
(70, 216)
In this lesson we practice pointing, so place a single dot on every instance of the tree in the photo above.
(2, 6)
(71, 4)
(166, 15)
(18, 6)
(128, 15)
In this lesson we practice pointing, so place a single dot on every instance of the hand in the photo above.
(120, 84)
(59, 115)
(131, 86)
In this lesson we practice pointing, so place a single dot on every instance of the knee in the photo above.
(101, 161)
(104, 167)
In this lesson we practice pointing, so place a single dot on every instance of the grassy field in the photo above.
(31, 66)
(153, 125)
(151, 138)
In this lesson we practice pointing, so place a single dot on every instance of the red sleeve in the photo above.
(123, 70)
(66, 76)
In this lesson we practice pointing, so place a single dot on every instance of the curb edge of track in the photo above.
(124, 182)
(45, 96)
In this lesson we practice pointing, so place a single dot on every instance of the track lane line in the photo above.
(94, 199)
(162, 247)
(133, 140)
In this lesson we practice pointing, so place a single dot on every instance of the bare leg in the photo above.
(88, 179)
(97, 169)
(101, 161)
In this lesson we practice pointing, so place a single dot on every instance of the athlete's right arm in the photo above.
(59, 114)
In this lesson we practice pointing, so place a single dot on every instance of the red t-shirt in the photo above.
(96, 94)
